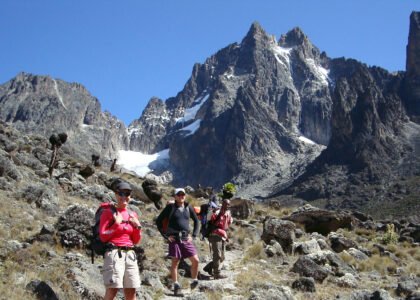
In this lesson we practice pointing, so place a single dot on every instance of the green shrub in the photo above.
(390, 236)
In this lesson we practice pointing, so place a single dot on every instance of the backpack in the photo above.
(208, 226)
(97, 246)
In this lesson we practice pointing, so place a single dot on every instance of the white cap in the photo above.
(179, 190)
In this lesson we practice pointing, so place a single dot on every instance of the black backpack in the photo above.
(208, 226)
(97, 246)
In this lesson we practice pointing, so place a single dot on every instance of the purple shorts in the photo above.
(183, 249)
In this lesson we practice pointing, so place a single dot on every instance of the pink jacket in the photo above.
(122, 235)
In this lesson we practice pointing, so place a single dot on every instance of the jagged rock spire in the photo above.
(293, 38)
(412, 82)
(413, 47)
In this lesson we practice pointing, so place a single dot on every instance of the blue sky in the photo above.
(125, 52)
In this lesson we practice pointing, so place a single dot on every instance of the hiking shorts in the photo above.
(121, 272)
(181, 249)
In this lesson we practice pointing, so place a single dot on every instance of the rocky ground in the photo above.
(275, 252)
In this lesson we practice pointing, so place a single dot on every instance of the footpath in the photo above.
(218, 286)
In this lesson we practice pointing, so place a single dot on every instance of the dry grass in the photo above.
(264, 210)
(254, 252)
(32, 263)
(366, 233)
(254, 274)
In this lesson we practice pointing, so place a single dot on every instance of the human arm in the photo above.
(109, 224)
(196, 221)
(135, 223)
(159, 220)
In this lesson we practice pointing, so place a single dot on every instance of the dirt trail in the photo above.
(208, 283)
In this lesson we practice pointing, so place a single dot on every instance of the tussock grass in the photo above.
(254, 252)
(32, 263)
(367, 233)
(241, 235)
(264, 210)
(383, 264)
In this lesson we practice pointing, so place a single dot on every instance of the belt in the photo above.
(124, 248)
(121, 248)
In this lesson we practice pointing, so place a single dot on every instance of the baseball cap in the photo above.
(179, 190)
(123, 186)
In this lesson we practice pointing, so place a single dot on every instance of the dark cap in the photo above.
(123, 186)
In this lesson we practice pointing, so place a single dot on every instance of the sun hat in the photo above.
(179, 190)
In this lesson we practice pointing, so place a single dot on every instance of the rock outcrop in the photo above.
(46, 106)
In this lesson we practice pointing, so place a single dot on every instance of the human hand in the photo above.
(135, 222)
(118, 218)
(171, 239)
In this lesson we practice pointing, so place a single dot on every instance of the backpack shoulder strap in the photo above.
(173, 208)
(188, 207)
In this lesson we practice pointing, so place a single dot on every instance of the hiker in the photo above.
(221, 219)
(179, 236)
(122, 230)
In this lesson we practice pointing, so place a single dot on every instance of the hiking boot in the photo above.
(194, 284)
(177, 291)
(208, 268)
(220, 276)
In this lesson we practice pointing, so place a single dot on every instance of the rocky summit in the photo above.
(45, 106)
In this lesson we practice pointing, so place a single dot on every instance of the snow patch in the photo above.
(319, 71)
(306, 140)
(139, 162)
(192, 128)
(282, 55)
(191, 112)
(58, 94)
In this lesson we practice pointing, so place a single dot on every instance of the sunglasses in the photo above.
(124, 194)
(180, 194)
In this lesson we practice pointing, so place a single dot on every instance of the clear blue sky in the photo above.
(125, 52)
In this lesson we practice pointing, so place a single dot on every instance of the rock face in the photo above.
(374, 145)
(259, 113)
(242, 112)
(412, 80)
(43, 105)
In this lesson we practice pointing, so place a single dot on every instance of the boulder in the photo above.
(280, 230)
(151, 190)
(340, 243)
(304, 284)
(307, 267)
(42, 290)
(321, 221)
(75, 226)
(241, 208)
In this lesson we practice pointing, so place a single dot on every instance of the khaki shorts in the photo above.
(121, 272)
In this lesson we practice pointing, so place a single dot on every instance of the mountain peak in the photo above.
(255, 32)
(293, 38)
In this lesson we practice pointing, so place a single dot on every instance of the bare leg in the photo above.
(110, 293)
(174, 269)
(130, 294)
(194, 266)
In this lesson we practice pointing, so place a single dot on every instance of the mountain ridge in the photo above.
(246, 115)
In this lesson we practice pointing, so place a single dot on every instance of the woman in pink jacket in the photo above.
(121, 229)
